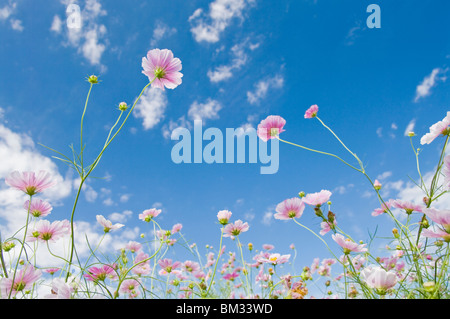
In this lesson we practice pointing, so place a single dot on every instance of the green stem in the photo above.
(320, 152)
(81, 127)
(217, 261)
(21, 248)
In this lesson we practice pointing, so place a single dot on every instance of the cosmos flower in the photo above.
(176, 228)
(167, 266)
(60, 289)
(133, 246)
(149, 214)
(378, 278)
(107, 225)
(231, 276)
(446, 171)
(162, 68)
(100, 273)
(130, 286)
(317, 199)
(348, 245)
(268, 246)
(235, 229)
(407, 206)
(38, 207)
(23, 280)
(438, 233)
(311, 112)
(29, 182)
(275, 259)
(441, 127)
(44, 231)
(141, 264)
(190, 266)
(290, 208)
(271, 127)
(385, 207)
(224, 216)
(327, 226)
(441, 217)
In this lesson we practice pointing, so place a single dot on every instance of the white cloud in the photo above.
(151, 107)
(120, 217)
(57, 24)
(16, 24)
(262, 87)
(161, 30)
(384, 175)
(172, 125)
(89, 39)
(6, 14)
(424, 88)
(267, 218)
(208, 26)
(224, 72)
(410, 127)
(205, 111)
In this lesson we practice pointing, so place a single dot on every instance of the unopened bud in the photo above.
(123, 106)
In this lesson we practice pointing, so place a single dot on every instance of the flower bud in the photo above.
(395, 233)
(123, 106)
(301, 194)
(424, 222)
(93, 79)
(377, 185)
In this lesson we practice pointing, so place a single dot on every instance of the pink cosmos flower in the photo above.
(311, 112)
(446, 171)
(268, 246)
(437, 129)
(326, 227)
(438, 233)
(231, 276)
(100, 274)
(176, 228)
(38, 207)
(163, 68)
(51, 271)
(133, 246)
(44, 231)
(190, 266)
(141, 264)
(167, 266)
(385, 207)
(317, 199)
(60, 290)
(441, 217)
(290, 208)
(378, 278)
(130, 287)
(224, 216)
(29, 182)
(149, 214)
(271, 127)
(235, 229)
(107, 225)
(275, 259)
(348, 245)
(407, 206)
(23, 280)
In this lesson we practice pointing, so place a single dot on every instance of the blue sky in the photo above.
(242, 61)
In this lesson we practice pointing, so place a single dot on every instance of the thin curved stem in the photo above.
(320, 152)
